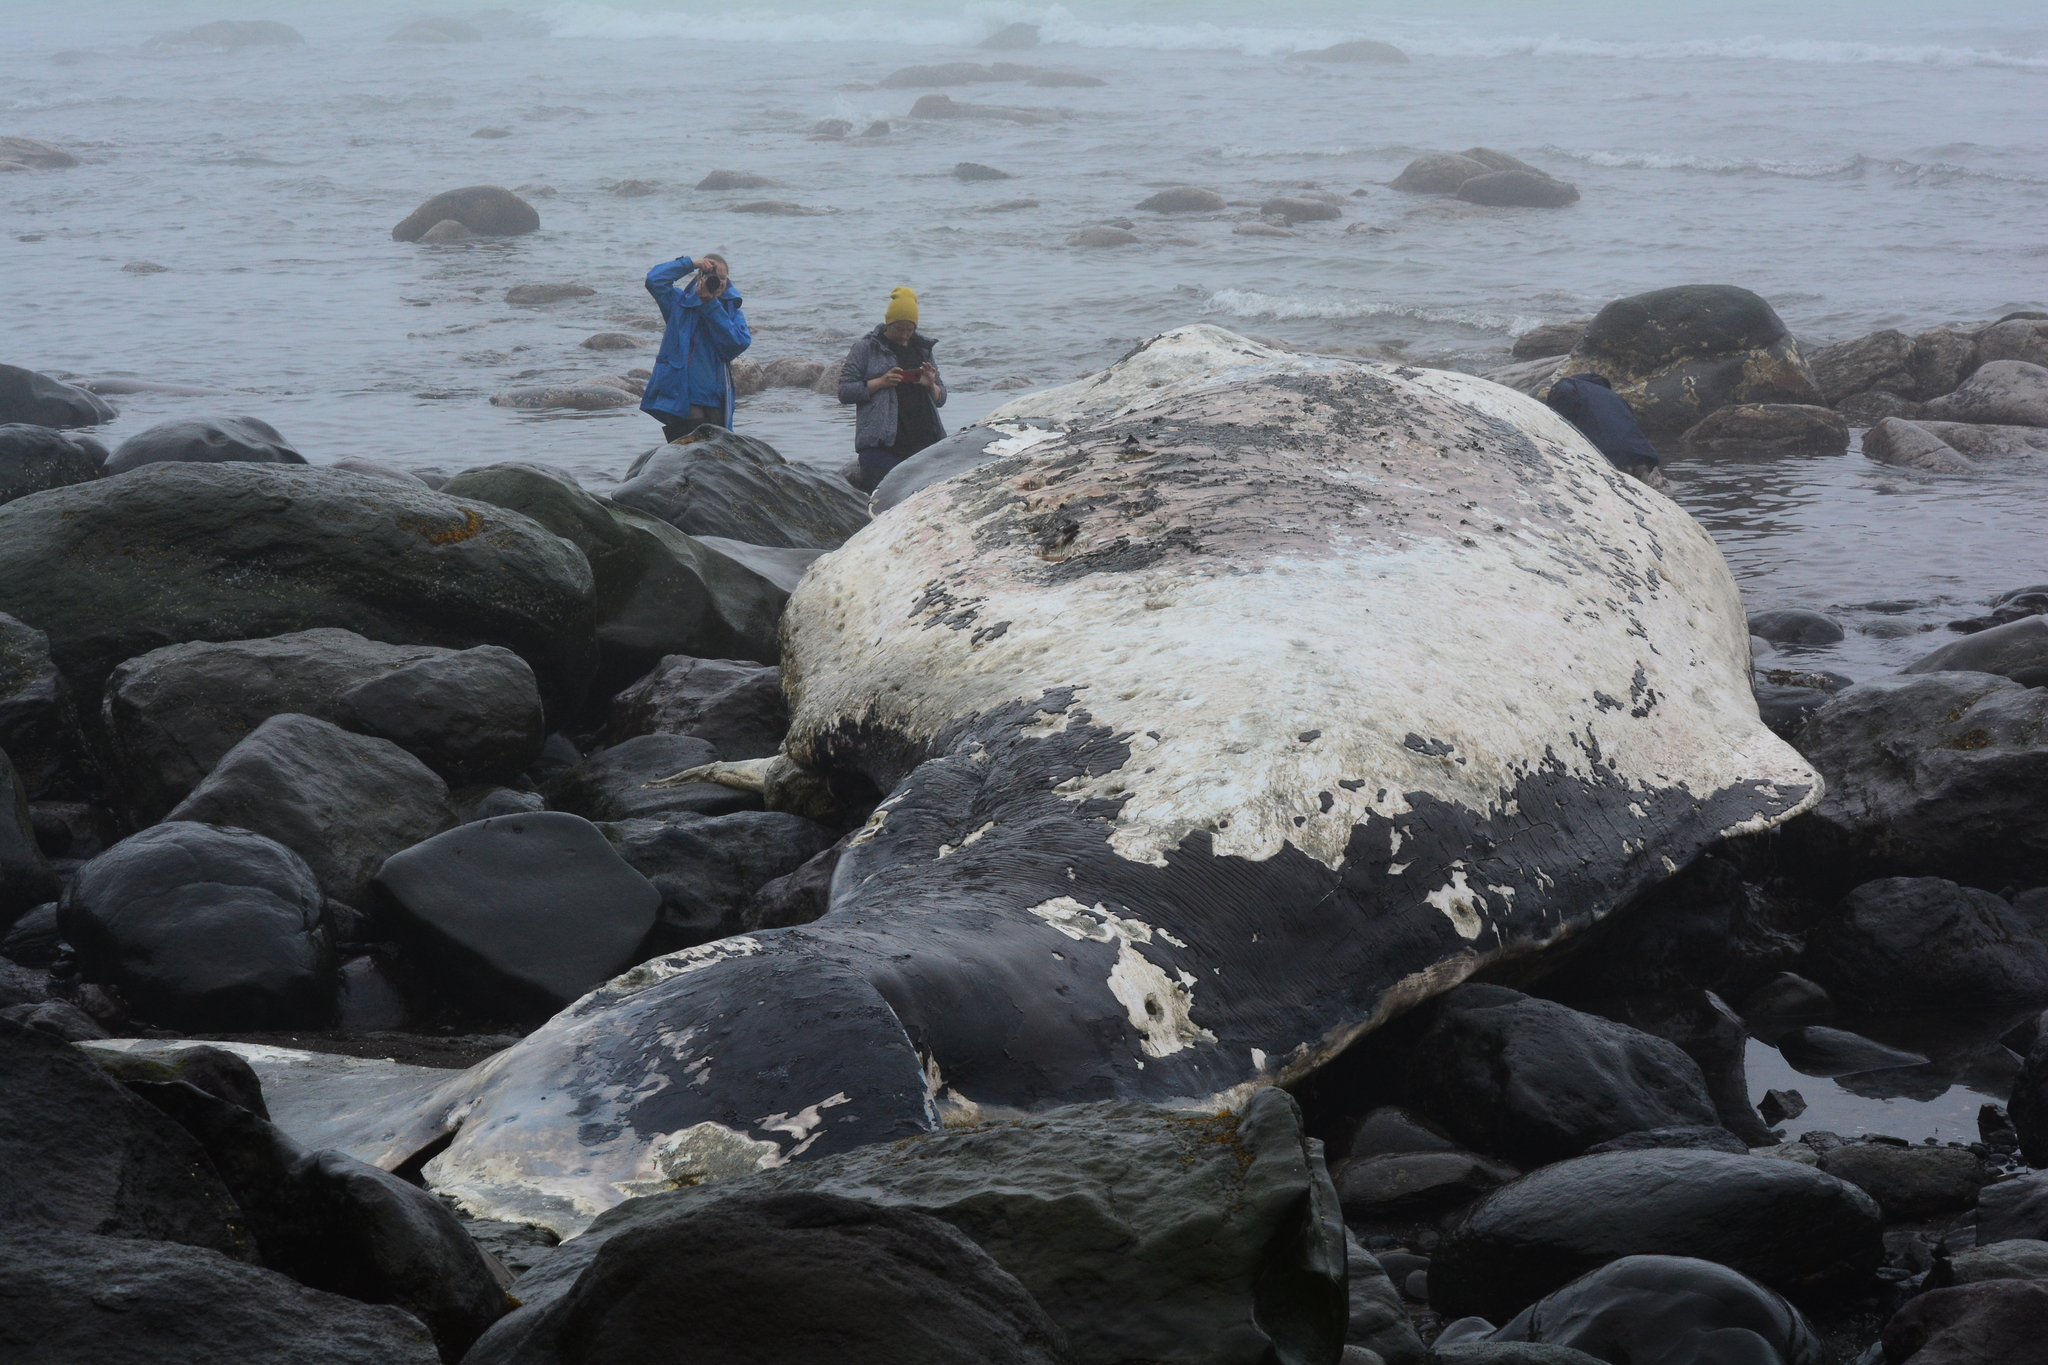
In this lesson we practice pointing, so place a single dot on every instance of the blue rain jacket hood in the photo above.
(1590, 403)
(701, 340)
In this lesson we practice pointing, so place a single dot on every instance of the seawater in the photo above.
(1860, 165)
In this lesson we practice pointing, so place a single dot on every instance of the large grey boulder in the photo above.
(613, 784)
(707, 868)
(1922, 943)
(1787, 1225)
(243, 551)
(738, 707)
(2016, 650)
(203, 928)
(70, 1297)
(1529, 189)
(26, 880)
(1183, 199)
(341, 801)
(1882, 360)
(719, 484)
(170, 715)
(486, 210)
(1930, 775)
(34, 458)
(2014, 338)
(203, 440)
(1439, 173)
(78, 1153)
(2008, 392)
(1910, 445)
(657, 591)
(42, 156)
(39, 400)
(1791, 428)
(1146, 1234)
(1676, 355)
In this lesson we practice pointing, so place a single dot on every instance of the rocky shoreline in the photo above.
(465, 917)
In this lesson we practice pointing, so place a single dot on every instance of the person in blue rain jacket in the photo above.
(706, 332)
(1590, 403)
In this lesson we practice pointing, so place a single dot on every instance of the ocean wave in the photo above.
(1250, 303)
(1851, 167)
(1058, 24)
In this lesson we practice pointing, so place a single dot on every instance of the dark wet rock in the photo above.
(1989, 441)
(203, 440)
(1552, 338)
(1677, 355)
(1401, 1185)
(612, 784)
(22, 982)
(437, 29)
(308, 547)
(233, 33)
(1103, 237)
(78, 1153)
(1790, 427)
(2018, 1259)
(1785, 708)
(1788, 995)
(26, 879)
(1931, 774)
(658, 592)
(1942, 359)
(1439, 173)
(1011, 38)
(612, 341)
(1357, 50)
(204, 928)
(34, 940)
(1533, 1080)
(801, 1275)
(486, 210)
(1484, 1350)
(2028, 1110)
(1292, 211)
(2004, 391)
(34, 458)
(1663, 1310)
(1378, 1320)
(2013, 1208)
(1971, 1325)
(1392, 1128)
(584, 397)
(58, 1018)
(1910, 1184)
(333, 1223)
(727, 485)
(171, 714)
(37, 400)
(1059, 1200)
(42, 156)
(707, 868)
(447, 232)
(737, 706)
(799, 897)
(974, 170)
(736, 180)
(521, 914)
(212, 1070)
(1518, 189)
(1796, 626)
(1679, 936)
(778, 208)
(1694, 1138)
(1816, 1050)
(370, 996)
(1906, 943)
(795, 372)
(1868, 409)
(2016, 338)
(1910, 445)
(1184, 199)
(945, 106)
(2016, 650)
(1882, 360)
(343, 802)
(1795, 1229)
(534, 295)
(636, 189)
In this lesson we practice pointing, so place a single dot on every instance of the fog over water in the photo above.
(1859, 165)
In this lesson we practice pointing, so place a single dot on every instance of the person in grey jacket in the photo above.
(889, 376)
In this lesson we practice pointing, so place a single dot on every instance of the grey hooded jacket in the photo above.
(871, 358)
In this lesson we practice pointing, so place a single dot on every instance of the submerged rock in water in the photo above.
(233, 33)
(1791, 427)
(945, 106)
(1186, 199)
(1143, 834)
(42, 156)
(203, 440)
(1910, 445)
(1882, 360)
(737, 180)
(1357, 50)
(2017, 650)
(1528, 189)
(1438, 173)
(38, 400)
(34, 458)
(486, 210)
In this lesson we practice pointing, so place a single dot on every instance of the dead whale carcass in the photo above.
(1214, 732)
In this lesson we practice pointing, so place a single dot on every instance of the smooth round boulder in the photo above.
(1357, 50)
(445, 233)
(42, 156)
(38, 400)
(717, 483)
(520, 914)
(707, 868)
(533, 295)
(1923, 943)
(974, 171)
(2028, 1108)
(736, 180)
(204, 928)
(1518, 189)
(203, 440)
(1795, 626)
(1789, 1226)
(1666, 1310)
(1974, 1324)
(486, 210)
(1293, 211)
(1184, 199)
(1911, 1184)
(1438, 173)
(1549, 339)
(2004, 392)
(738, 707)
(1794, 428)
(242, 551)
(35, 458)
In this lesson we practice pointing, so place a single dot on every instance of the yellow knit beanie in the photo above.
(902, 305)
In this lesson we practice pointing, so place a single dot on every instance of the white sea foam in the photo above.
(1250, 303)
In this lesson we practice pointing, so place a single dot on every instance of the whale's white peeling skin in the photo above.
(1214, 734)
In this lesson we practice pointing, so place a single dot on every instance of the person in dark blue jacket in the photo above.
(706, 332)
(1590, 403)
